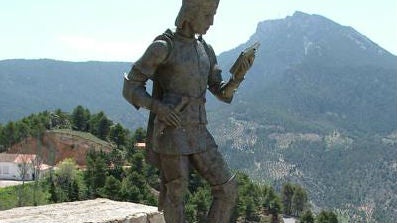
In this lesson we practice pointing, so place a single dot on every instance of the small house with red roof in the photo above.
(18, 166)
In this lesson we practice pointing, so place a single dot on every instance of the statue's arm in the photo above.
(134, 89)
(222, 90)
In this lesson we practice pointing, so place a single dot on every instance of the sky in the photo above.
(120, 30)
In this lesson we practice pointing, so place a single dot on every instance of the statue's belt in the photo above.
(186, 99)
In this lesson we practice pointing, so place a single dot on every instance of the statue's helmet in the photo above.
(190, 8)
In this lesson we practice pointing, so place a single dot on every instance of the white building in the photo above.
(15, 166)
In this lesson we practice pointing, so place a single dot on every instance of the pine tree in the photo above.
(10, 134)
(64, 177)
(2, 139)
(52, 190)
(140, 135)
(80, 118)
(287, 193)
(95, 174)
(74, 191)
(307, 217)
(272, 203)
(103, 128)
(327, 217)
(118, 135)
(299, 200)
(111, 188)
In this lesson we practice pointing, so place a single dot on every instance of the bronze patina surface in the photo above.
(183, 67)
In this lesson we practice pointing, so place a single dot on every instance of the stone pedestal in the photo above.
(90, 211)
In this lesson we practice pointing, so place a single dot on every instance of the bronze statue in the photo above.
(182, 67)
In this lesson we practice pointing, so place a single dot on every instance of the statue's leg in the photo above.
(163, 192)
(175, 171)
(212, 167)
(224, 200)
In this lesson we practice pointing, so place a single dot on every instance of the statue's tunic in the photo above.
(184, 74)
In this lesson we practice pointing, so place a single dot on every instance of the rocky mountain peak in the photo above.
(305, 35)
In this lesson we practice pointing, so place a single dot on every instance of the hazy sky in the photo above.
(120, 30)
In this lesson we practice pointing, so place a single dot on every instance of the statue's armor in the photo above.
(185, 73)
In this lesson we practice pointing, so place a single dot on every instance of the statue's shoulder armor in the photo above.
(168, 37)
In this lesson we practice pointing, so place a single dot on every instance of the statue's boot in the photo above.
(224, 200)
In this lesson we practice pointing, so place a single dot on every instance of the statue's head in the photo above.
(199, 13)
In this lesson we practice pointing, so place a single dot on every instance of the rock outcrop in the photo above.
(56, 145)
(98, 211)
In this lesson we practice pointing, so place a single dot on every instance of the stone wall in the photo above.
(90, 211)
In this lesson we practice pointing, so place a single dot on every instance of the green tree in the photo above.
(152, 176)
(138, 162)
(73, 191)
(24, 169)
(327, 217)
(251, 209)
(255, 200)
(198, 204)
(52, 189)
(307, 217)
(10, 134)
(111, 188)
(272, 203)
(80, 119)
(244, 207)
(118, 135)
(129, 191)
(68, 182)
(39, 123)
(135, 189)
(287, 192)
(94, 122)
(99, 125)
(299, 200)
(2, 139)
(23, 130)
(139, 135)
(96, 172)
(104, 128)
(115, 160)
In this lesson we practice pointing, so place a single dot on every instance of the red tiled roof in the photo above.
(17, 158)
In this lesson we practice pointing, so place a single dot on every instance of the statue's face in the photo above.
(202, 21)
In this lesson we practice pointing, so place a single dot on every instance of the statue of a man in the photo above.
(182, 67)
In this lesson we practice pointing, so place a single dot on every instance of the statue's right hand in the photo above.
(166, 114)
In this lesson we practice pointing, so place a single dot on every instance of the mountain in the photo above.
(321, 70)
(319, 107)
(31, 86)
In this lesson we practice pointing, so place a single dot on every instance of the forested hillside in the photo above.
(118, 173)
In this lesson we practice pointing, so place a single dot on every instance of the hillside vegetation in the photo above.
(119, 172)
